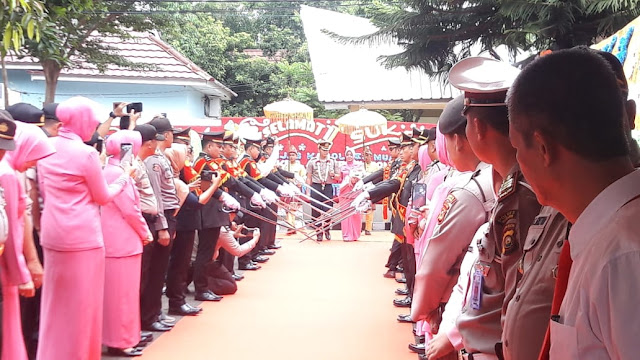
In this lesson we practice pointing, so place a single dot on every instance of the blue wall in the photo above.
(183, 104)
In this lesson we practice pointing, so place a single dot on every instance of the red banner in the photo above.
(303, 134)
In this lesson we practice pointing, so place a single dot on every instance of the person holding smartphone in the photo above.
(127, 234)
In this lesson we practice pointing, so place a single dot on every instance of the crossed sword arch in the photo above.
(319, 224)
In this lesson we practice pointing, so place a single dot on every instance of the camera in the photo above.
(207, 175)
(135, 106)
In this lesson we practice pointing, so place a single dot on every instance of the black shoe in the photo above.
(237, 277)
(367, 232)
(274, 247)
(130, 352)
(260, 259)
(417, 348)
(199, 309)
(266, 252)
(166, 319)
(405, 318)
(158, 326)
(146, 334)
(184, 310)
(208, 296)
(327, 235)
(401, 280)
(319, 238)
(401, 291)
(250, 266)
(400, 269)
(423, 357)
(406, 302)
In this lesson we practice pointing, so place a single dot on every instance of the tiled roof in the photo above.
(143, 48)
(352, 74)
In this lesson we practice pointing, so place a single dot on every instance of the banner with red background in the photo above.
(304, 134)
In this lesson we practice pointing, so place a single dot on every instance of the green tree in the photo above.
(437, 33)
(67, 36)
(16, 19)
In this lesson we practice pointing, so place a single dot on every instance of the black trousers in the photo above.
(30, 310)
(208, 238)
(179, 267)
(155, 261)
(226, 259)
(409, 261)
(395, 256)
(321, 201)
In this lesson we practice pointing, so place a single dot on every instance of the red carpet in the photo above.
(311, 301)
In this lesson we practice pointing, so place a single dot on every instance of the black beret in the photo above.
(148, 132)
(451, 118)
(7, 131)
(27, 113)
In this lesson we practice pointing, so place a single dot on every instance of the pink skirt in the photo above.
(121, 324)
(71, 310)
(12, 341)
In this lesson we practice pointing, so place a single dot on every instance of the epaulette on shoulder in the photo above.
(509, 185)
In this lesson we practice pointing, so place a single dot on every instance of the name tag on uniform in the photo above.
(476, 288)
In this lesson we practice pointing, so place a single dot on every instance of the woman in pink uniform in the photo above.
(31, 145)
(73, 187)
(351, 172)
(125, 232)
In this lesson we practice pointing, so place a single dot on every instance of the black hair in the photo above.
(573, 97)
(205, 143)
(497, 117)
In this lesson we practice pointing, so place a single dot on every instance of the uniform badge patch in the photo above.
(446, 206)
(508, 186)
(157, 168)
(511, 214)
(509, 244)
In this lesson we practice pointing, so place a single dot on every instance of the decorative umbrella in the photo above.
(288, 109)
(361, 120)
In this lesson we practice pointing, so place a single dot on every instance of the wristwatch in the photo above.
(112, 115)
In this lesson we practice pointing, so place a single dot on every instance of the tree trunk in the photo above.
(51, 73)
(5, 83)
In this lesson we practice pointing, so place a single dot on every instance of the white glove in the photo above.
(294, 189)
(229, 201)
(284, 190)
(256, 199)
(368, 186)
(268, 196)
(364, 206)
(358, 186)
(360, 198)
(299, 178)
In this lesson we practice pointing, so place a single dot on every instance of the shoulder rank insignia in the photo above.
(508, 186)
(446, 206)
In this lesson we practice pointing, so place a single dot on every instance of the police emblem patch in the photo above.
(508, 239)
(511, 214)
(157, 168)
(446, 206)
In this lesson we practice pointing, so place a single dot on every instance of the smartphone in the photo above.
(206, 175)
(125, 121)
(418, 195)
(126, 153)
(135, 106)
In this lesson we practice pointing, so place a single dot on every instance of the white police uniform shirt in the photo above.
(599, 314)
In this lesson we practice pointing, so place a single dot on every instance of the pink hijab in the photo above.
(423, 156)
(31, 144)
(115, 140)
(441, 147)
(78, 116)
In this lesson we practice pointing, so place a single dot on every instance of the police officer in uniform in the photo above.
(322, 173)
(495, 274)
(400, 188)
(212, 214)
(465, 209)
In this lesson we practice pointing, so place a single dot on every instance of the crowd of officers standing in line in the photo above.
(114, 231)
(519, 166)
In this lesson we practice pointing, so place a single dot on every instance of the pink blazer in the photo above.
(12, 261)
(123, 226)
(73, 187)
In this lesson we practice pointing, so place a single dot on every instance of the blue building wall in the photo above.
(183, 104)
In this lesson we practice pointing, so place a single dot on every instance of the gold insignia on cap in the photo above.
(4, 127)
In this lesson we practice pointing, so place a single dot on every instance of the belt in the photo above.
(150, 217)
(478, 356)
